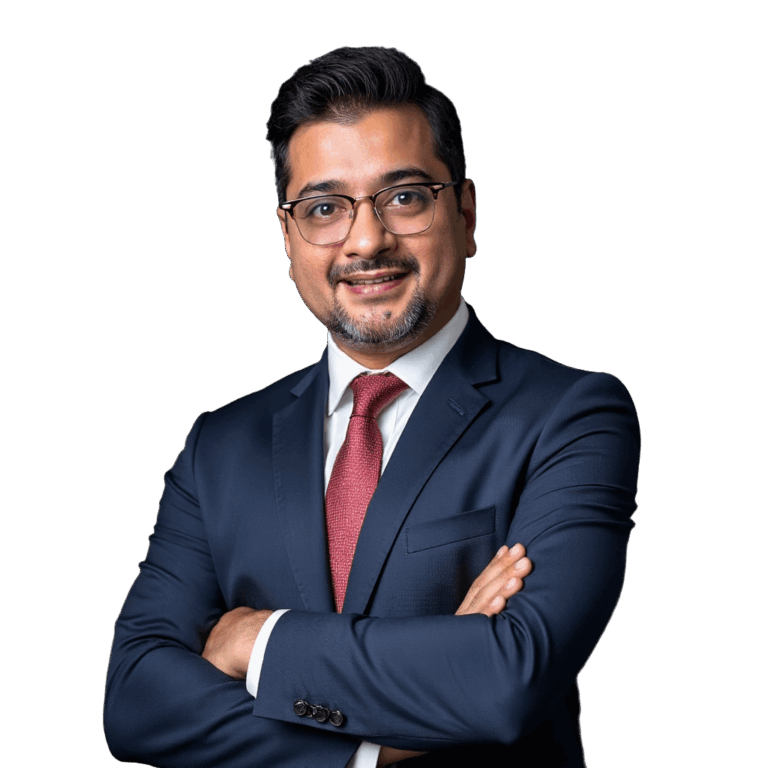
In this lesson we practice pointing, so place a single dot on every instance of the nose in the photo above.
(367, 237)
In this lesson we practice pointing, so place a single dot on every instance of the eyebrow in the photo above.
(330, 186)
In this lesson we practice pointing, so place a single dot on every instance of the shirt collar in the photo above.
(416, 368)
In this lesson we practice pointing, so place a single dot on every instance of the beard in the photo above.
(383, 336)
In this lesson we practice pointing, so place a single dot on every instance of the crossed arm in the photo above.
(167, 705)
(231, 640)
(229, 645)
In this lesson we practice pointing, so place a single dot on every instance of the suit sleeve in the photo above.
(435, 681)
(167, 706)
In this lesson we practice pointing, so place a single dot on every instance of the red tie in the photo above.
(356, 473)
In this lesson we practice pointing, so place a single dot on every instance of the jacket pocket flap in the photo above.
(448, 530)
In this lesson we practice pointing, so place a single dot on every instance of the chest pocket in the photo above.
(449, 530)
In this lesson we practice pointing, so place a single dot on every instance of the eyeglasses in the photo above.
(406, 209)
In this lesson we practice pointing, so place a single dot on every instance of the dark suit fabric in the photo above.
(505, 445)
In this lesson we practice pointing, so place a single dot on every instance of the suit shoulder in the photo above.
(536, 368)
(261, 404)
(548, 380)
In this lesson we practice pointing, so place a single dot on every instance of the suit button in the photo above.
(300, 707)
(336, 718)
(322, 714)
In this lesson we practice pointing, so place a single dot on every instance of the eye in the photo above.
(405, 199)
(322, 210)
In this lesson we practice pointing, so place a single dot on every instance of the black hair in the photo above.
(345, 84)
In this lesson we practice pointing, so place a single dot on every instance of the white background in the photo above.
(619, 152)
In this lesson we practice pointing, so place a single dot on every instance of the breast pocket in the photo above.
(449, 530)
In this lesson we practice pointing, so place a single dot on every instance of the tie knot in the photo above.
(374, 392)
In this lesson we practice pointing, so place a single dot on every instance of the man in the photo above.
(368, 493)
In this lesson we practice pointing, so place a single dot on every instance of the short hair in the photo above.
(345, 84)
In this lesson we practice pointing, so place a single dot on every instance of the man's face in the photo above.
(388, 146)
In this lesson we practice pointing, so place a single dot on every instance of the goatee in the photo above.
(364, 336)
(360, 336)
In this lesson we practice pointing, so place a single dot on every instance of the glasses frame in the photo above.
(434, 186)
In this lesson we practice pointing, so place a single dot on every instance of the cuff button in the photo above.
(336, 718)
(300, 707)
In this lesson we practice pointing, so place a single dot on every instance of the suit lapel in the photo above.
(448, 406)
(297, 453)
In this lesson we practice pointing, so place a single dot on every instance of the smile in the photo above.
(375, 280)
(374, 284)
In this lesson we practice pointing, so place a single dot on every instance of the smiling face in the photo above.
(378, 293)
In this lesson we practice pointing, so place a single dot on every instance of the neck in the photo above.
(374, 361)
(369, 356)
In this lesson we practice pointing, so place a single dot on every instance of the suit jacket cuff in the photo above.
(257, 654)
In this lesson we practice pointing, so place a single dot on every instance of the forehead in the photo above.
(360, 153)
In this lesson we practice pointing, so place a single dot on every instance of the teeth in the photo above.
(387, 279)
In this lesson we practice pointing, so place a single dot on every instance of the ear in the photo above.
(469, 212)
(283, 218)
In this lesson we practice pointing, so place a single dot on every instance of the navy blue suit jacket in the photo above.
(505, 445)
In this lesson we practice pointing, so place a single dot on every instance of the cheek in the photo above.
(311, 278)
(443, 257)
(447, 277)
(444, 267)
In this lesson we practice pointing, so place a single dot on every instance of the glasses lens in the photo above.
(323, 220)
(406, 210)
(403, 210)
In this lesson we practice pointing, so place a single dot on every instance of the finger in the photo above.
(495, 569)
(497, 605)
(507, 583)
(504, 557)
(511, 578)
(520, 568)
(498, 602)
(491, 571)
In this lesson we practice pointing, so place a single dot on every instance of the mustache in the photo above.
(405, 263)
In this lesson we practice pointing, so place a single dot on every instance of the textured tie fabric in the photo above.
(356, 473)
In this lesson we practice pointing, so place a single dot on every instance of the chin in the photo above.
(384, 334)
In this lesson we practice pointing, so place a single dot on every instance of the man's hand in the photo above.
(501, 578)
(231, 640)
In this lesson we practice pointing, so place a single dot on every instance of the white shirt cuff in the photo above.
(367, 756)
(257, 654)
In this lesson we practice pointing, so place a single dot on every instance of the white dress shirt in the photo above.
(416, 369)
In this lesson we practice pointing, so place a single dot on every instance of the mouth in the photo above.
(371, 284)
(373, 279)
